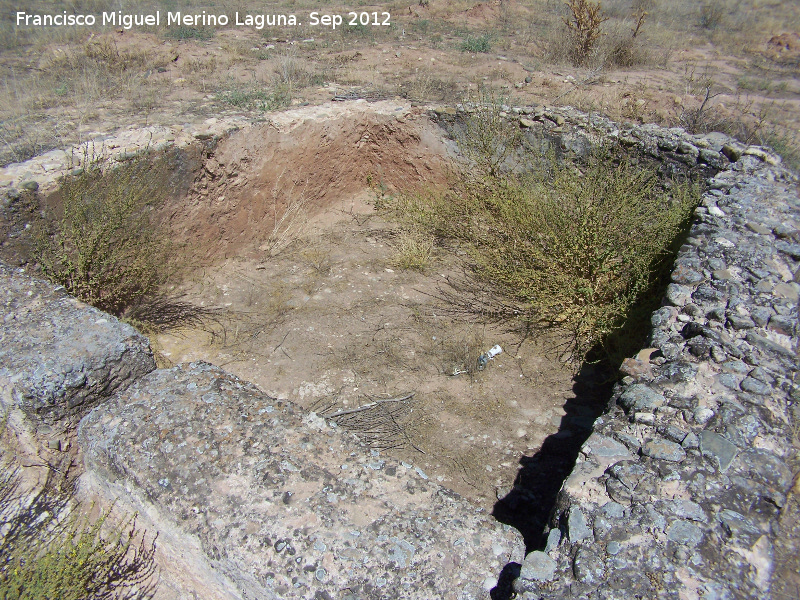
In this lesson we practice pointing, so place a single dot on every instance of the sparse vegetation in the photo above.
(584, 27)
(476, 44)
(102, 243)
(256, 97)
(50, 549)
(414, 250)
(567, 246)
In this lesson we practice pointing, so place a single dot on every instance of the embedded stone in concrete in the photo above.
(537, 566)
(577, 529)
(60, 357)
(282, 503)
(717, 448)
(640, 397)
(664, 450)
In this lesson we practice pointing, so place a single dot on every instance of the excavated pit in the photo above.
(314, 310)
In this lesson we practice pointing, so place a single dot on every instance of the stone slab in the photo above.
(283, 504)
(58, 356)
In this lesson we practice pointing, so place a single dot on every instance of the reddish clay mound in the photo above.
(319, 155)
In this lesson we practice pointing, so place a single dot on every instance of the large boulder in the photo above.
(256, 499)
(59, 357)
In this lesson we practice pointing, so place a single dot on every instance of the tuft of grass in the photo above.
(460, 350)
(184, 32)
(476, 44)
(256, 97)
(711, 14)
(414, 251)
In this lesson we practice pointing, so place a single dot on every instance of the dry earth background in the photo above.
(329, 320)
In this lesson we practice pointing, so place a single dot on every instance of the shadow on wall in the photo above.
(529, 505)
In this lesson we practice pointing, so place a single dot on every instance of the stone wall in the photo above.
(252, 497)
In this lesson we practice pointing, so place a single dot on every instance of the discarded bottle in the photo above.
(484, 359)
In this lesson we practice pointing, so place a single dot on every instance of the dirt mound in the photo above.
(785, 42)
(303, 160)
(784, 48)
(482, 12)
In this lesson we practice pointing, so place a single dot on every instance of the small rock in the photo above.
(758, 228)
(786, 290)
(639, 396)
(740, 322)
(702, 415)
(685, 532)
(733, 153)
(664, 450)
(691, 441)
(678, 295)
(754, 386)
(587, 567)
(553, 540)
(577, 529)
(537, 566)
(718, 449)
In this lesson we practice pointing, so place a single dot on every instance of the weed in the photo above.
(183, 32)
(711, 14)
(476, 44)
(625, 49)
(256, 97)
(49, 550)
(103, 244)
(584, 27)
(414, 251)
(459, 351)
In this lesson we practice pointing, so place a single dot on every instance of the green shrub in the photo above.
(476, 44)
(183, 32)
(102, 243)
(488, 140)
(581, 248)
(256, 97)
(51, 551)
(572, 247)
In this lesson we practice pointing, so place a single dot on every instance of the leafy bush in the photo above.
(102, 243)
(579, 249)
